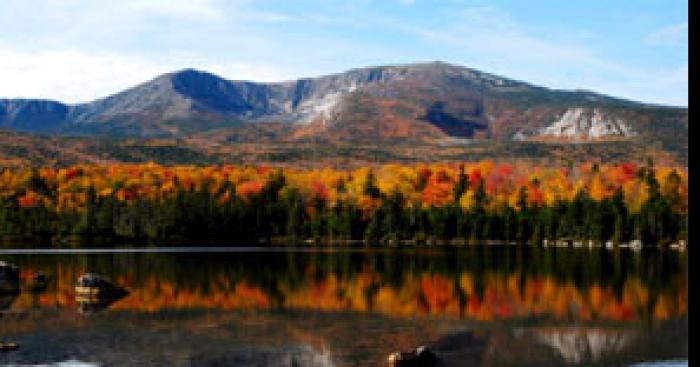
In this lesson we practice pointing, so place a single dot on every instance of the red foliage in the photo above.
(424, 173)
(627, 172)
(441, 176)
(534, 194)
(28, 200)
(73, 172)
(263, 170)
(474, 177)
(504, 170)
(628, 168)
(436, 192)
(437, 291)
(248, 188)
(319, 190)
(126, 194)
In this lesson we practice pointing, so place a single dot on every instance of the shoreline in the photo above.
(331, 246)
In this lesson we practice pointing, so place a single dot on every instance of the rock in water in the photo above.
(425, 356)
(38, 283)
(8, 347)
(93, 293)
(9, 278)
(420, 357)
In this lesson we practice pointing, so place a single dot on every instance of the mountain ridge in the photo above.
(400, 65)
(424, 101)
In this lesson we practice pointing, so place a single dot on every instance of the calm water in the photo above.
(484, 305)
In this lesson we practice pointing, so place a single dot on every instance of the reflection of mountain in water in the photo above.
(292, 356)
(578, 345)
(557, 346)
(226, 338)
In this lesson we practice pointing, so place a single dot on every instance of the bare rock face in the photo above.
(587, 124)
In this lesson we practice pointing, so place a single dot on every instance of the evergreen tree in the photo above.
(461, 186)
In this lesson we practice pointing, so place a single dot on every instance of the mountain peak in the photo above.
(425, 100)
(191, 73)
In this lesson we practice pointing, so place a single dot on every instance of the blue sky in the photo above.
(78, 50)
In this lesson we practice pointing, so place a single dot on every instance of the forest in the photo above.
(457, 203)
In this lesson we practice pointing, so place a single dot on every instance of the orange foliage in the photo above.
(424, 184)
(29, 199)
(249, 188)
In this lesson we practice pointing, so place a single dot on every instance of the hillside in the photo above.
(428, 103)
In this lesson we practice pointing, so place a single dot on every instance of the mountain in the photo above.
(423, 102)
(32, 115)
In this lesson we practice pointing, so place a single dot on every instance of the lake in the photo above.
(492, 305)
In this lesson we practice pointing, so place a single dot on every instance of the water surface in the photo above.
(482, 305)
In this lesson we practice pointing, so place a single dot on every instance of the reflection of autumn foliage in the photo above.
(491, 296)
(439, 295)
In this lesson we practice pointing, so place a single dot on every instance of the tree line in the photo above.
(278, 211)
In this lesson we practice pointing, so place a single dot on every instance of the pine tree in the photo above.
(370, 187)
(461, 186)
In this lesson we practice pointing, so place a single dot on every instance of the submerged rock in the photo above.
(93, 284)
(420, 357)
(8, 347)
(6, 300)
(9, 278)
(38, 282)
(94, 293)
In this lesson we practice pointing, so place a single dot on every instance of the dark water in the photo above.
(483, 305)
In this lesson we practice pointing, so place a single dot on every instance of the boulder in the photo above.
(420, 357)
(94, 293)
(38, 282)
(9, 278)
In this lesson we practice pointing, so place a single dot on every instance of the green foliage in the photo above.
(280, 211)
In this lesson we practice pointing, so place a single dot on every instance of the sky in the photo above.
(78, 50)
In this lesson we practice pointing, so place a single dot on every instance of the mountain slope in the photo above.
(425, 101)
(32, 115)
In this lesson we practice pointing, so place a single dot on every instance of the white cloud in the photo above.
(484, 33)
(658, 86)
(672, 35)
(486, 15)
(122, 25)
(76, 50)
(488, 39)
(186, 8)
(77, 76)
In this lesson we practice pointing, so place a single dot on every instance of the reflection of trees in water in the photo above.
(479, 282)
